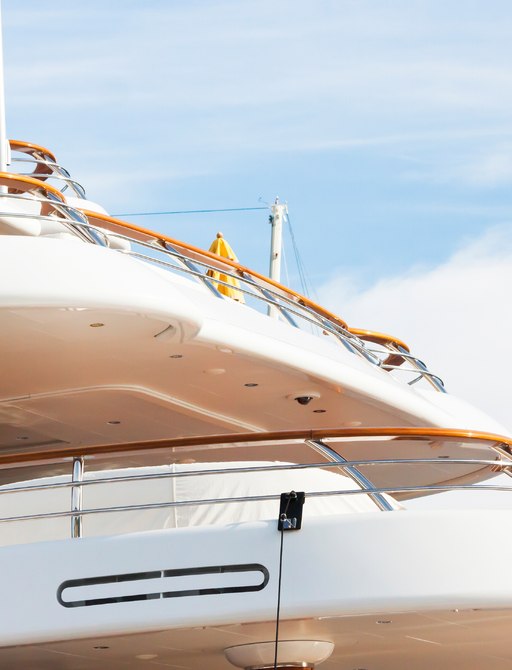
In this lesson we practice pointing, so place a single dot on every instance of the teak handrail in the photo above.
(378, 338)
(110, 223)
(31, 148)
(28, 183)
(399, 433)
(145, 235)
(24, 184)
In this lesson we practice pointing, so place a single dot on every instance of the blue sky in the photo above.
(387, 126)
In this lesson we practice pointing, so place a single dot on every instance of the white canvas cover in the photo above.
(159, 491)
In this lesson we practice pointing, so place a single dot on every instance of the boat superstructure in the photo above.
(156, 438)
(124, 279)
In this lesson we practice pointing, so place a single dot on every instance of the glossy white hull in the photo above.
(389, 566)
(103, 347)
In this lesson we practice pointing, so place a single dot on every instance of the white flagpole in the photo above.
(5, 152)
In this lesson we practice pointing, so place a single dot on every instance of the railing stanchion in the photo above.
(354, 473)
(76, 497)
(423, 370)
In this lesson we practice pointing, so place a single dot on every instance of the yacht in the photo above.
(200, 467)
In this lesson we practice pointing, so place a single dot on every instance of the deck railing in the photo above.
(462, 462)
(32, 160)
(259, 292)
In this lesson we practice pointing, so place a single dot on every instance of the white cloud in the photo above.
(486, 165)
(212, 81)
(491, 169)
(352, 58)
(456, 316)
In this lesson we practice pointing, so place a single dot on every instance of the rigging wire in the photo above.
(193, 211)
(305, 283)
(301, 268)
(286, 274)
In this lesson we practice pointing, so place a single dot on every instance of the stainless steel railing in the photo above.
(478, 469)
(77, 512)
(294, 313)
(258, 295)
(55, 174)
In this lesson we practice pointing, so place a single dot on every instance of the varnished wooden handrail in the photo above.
(399, 433)
(31, 149)
(24, 184)
(378, 338)
(40, 155)
(385, 341)
(143, 234)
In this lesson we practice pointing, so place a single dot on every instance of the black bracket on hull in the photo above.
(290, 511)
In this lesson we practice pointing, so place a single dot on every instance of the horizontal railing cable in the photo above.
(8, 489)
(389, 490)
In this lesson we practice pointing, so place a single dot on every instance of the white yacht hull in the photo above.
(123, 361)
(434, 569)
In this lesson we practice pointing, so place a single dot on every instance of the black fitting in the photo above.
(290, 510)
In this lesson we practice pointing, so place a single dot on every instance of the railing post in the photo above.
(269, 298)
(76, 497)
(353, 472)
(422, 368)
(192, 266)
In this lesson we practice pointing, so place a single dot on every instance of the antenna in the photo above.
(5, 150)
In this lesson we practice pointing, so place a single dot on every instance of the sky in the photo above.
(385, 126)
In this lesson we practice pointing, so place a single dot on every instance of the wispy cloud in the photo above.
(491, 168)
(346, 57)
(484, 167)
(367, 116)
(456, 315)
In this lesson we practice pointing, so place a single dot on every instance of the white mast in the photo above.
(276, 245)
(276, 241)
(5, 150)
